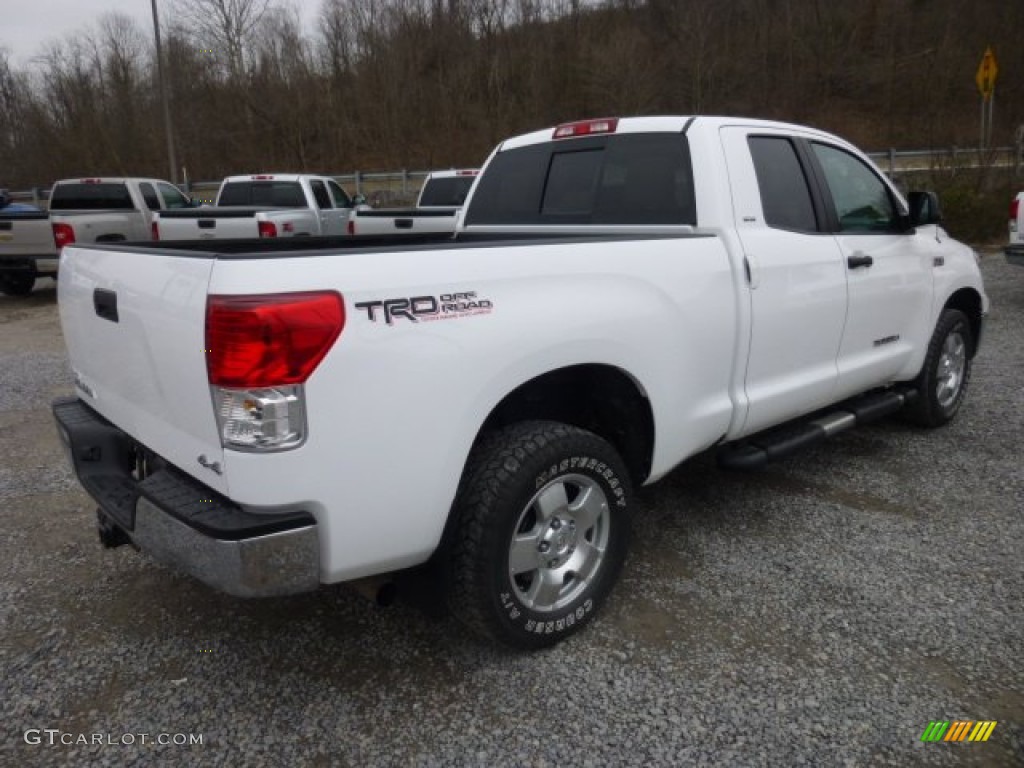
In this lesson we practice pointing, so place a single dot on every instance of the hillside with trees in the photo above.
(389, 84)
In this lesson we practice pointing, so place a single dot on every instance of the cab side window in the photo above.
(862, 201)
(785, 194)
(149, 196)
(341, 200)
(323, 200)
(172, 197)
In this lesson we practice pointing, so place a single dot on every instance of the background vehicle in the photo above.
(264, 205)
(109, 210)
(622, 294)
(441, 198)
(1015, 249)
(27, 250)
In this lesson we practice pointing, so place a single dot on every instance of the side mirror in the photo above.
(924, 208)
(358, 200)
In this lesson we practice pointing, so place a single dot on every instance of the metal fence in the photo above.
(384, 188)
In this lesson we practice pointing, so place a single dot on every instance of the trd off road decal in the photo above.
(446, 306)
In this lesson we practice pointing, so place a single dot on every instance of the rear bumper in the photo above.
(38, 265)
(178, 521)
(1015, 254)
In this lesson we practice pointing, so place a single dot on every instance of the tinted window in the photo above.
(341, 200)
(172, 197)
(629, 179)
(323, 200)
(785, 196)
(275, 194)
(572, 183)
(91, 197)
(446, 191)
(149, 196)
(862, 200)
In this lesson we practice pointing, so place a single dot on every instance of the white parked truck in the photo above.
(437, 208)
(89, 210)
(27, 250)
(621, 295)
(110, 210)
(264, 205)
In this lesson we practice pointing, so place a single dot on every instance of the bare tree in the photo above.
(227, 27)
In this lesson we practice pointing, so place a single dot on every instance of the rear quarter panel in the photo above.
(394, 408)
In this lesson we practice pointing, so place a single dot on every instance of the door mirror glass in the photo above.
(924, 208)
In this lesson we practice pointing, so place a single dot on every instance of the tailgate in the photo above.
(26, 235)
(212, 224)
(134, 325)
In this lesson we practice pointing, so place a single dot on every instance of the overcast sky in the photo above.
(26, 25)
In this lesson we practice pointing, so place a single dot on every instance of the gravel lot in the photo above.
(820, 612)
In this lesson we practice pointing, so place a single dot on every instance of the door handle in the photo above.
(105, 304)
(859, 260)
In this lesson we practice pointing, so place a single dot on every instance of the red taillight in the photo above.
(270, 340)
(154, 229)
(262, 177)
(1014, 208)
(466, 173)
(586, 128)
(267, 229)
(63, 235)
(351, 227)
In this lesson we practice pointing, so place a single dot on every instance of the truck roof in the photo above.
(272, 177)
(659, 124)
(110, 180)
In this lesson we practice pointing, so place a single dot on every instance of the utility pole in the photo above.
(172, 162)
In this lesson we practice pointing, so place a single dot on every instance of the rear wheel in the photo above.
(543, 532)
(17, 283)
(943, 380)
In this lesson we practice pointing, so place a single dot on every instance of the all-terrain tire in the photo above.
(942, 383)
(542, 533)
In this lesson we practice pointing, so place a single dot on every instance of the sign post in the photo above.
(985, 77)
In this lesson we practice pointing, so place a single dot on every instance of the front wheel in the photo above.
(943, 380)
(543, 532)
(17, 283)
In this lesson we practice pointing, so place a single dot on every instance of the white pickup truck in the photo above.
(264, 205)
(109, 210)
(441, 198)
(27, 250)
(622, 294)
(1015, 249)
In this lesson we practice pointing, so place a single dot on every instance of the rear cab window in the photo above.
(445, 191)
(271, 194)
(625, 179)
(91, 196)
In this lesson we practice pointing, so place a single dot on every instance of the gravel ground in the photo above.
(820, 612)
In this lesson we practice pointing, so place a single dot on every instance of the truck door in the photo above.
(796, 277)
(889, 271)
(333, 221)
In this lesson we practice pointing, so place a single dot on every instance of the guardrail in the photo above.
(385, 187)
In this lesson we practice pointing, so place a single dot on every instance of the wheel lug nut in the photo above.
(556, 523)
(543, 546)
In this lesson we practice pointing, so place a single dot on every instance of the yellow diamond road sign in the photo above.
(986, 75)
